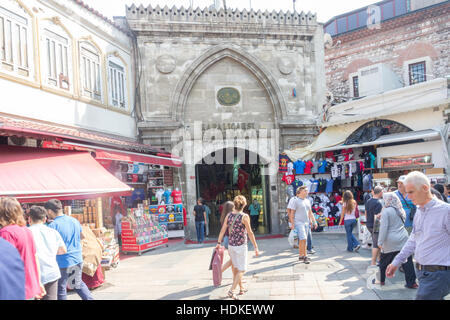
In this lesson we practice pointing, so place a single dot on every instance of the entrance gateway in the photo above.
(233, 70)
(221, 182)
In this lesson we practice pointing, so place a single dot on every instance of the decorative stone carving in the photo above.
(286, 65)
(165, 63)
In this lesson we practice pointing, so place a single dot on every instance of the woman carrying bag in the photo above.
(392, 237)
(238, 225)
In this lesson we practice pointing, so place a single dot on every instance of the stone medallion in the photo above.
(228, 96)
(286, 65)
(165, 63)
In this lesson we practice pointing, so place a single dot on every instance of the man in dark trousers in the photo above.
(373, 210)
(200, 220)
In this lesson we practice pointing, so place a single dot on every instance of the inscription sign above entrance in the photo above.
(228, 96)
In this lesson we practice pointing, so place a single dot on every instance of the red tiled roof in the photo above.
(98, 14)
(42, 130)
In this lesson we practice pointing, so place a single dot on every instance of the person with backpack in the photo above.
(239, 228)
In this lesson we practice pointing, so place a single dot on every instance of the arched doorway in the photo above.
(220, 182)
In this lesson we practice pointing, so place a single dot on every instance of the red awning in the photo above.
(36, 175)
(102, 154)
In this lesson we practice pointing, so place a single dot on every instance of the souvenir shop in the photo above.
(328, 176)
(75, 174)
(360, 165)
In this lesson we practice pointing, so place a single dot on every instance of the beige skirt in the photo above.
(238, 256)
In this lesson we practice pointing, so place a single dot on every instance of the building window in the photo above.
(355, 87)
(14, 34)
(90, 72)
(57, 59)
(117, 84)
(417, 73)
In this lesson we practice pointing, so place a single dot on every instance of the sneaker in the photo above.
(306, 260)
(414, 286)
(357, 248)
(311, 251)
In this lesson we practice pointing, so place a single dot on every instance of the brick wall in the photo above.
(415, 35)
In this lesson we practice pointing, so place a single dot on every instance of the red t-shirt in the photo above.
(308, 166)
(176, 195)
(288, 178)
(22, 239)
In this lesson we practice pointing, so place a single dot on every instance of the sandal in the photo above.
(242, 291)
(232, 295)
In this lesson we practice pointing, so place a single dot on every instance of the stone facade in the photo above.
(421, 34)
(272, 61)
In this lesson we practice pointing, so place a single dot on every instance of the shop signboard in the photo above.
(421, 160)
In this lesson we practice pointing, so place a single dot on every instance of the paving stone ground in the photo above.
(180, 272)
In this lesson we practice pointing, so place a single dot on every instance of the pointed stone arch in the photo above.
(215, 54)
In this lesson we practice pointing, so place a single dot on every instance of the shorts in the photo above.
(238, 255)
(374, 238)
(302, 230)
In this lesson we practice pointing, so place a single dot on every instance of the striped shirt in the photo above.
(430, 238)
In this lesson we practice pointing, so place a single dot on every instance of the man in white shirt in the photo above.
(300, 215)
(49, 244)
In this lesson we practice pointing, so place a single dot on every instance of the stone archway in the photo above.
(214, 55)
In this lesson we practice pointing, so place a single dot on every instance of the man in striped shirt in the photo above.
(429, 240)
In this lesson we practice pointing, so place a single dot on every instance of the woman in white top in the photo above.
(349, 217)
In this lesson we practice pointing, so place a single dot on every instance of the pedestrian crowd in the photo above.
(44, 258)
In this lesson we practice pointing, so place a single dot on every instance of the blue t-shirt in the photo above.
(299, 167)
(166, 196)
(323, 166)
(314, 185)
(296, 184)
(329, 188)
(12, 273)
(70, 230)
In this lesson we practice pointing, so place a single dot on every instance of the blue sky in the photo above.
(325, 9)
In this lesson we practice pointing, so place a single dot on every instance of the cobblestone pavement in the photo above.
(180, 272)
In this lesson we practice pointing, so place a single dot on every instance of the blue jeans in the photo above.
(351, 240)
(309, 240)
(71, 277)
(433, 285)
(200, 226)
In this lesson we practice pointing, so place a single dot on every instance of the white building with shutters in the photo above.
(63, 63)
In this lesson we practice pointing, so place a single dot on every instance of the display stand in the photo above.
(171, 216)
(142, 232)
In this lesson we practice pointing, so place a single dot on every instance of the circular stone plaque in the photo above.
(286, 65)
(165, 63)
(228, 96)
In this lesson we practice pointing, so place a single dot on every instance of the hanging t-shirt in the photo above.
(323, 166)
(288, 178)
(159, 195)
(283, 162)
(296, 183)
(308, 166)
(176, 195)
(299, 167)
(329, 188)
(314, 185)
(372, 160)
(315, 167)
(167, 195)
(290, 168)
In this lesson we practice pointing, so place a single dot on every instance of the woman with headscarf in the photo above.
(392, 237)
